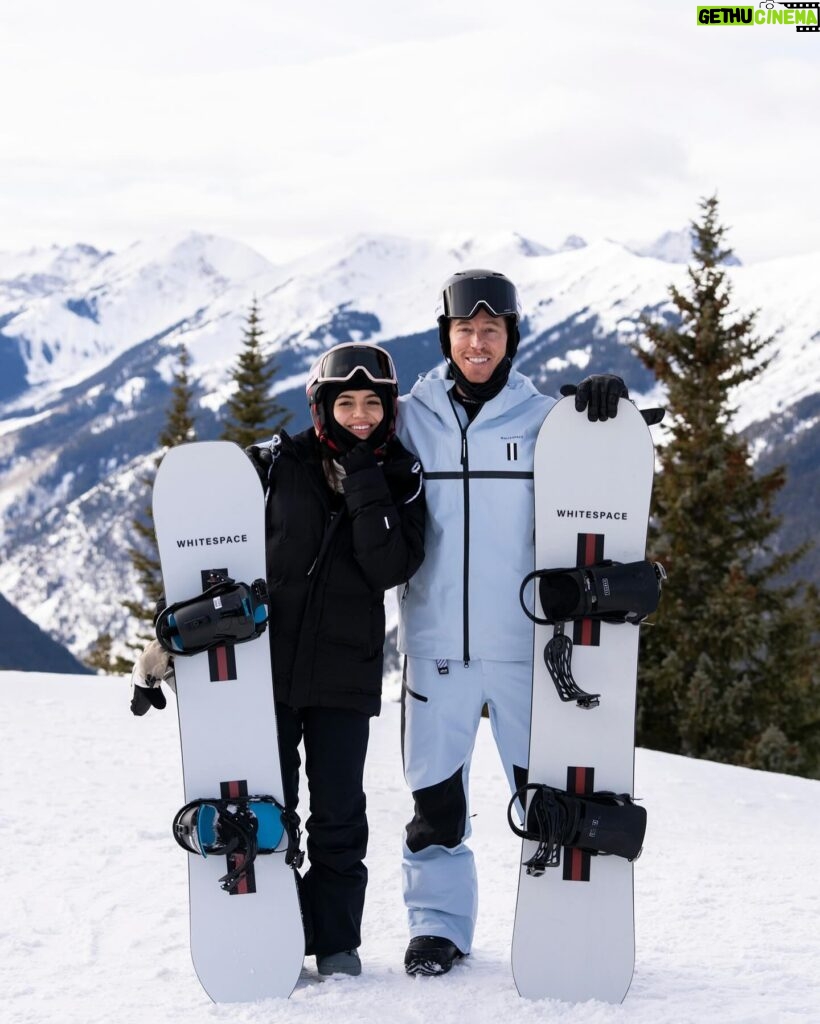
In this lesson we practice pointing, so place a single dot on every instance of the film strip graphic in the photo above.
(238, 790)
(804, 7)
(221, 660)
(580, 780)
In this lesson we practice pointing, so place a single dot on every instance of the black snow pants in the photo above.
(332, 888)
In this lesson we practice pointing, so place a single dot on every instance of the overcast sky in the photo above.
(290, 123)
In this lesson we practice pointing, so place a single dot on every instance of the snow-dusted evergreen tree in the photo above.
(252, 414)
(729, 670)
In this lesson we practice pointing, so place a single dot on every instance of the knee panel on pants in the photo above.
(440, 817)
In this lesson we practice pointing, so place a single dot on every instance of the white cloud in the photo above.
(286, 126)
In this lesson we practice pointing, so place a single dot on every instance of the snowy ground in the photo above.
(94, 928)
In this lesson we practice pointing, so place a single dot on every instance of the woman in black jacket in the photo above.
(345, 523)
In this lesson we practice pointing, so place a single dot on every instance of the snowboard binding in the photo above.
(240, 828)
(608, 591)
(226, 613)
(597, 823)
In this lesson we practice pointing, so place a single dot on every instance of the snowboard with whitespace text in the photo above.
(574, 935)
(209, 510)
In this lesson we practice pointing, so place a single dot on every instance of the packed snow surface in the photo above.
(94, 926)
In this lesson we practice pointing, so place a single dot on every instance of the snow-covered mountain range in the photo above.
(89, 342)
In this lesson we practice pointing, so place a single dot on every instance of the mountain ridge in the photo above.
(93, 377)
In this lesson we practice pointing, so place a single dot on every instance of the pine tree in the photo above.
(252, 414)
(100, 657)
(179, 427)
(728, 672)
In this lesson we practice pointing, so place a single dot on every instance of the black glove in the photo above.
(598, 394)
(262, 459)
(360, 457)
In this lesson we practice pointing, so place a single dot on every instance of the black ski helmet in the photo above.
(466, 291)
(351, 366)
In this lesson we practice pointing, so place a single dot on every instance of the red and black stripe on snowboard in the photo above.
(590, 550)
(238, 790)
(222, 666)
(221, 660)
(581, 779)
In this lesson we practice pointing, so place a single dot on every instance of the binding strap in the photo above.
(249, 826)
(598, 823)
(228, 612)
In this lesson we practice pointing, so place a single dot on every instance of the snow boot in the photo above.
(347, 962)
(430, 955)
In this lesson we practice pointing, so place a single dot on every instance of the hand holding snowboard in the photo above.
(152, 667)
(598, 394)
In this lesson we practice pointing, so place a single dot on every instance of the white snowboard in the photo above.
(209, 516)
(574, 935)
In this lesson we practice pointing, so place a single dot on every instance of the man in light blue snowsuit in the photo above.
(465, 639)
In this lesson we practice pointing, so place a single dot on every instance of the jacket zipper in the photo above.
(465, 472)
(465, 464)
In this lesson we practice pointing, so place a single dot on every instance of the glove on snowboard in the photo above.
(152, 667)
(598, 394)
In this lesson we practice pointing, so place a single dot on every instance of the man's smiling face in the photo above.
(478, 345)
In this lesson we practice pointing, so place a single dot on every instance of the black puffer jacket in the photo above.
(330, 559)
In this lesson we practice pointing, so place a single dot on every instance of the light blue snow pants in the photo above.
(440, 718)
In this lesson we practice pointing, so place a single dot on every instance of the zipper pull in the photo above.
(463, 449)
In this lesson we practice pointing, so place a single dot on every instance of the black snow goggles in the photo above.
(343, 361)
(462, 297)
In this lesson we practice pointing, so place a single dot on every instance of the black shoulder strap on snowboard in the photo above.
(598, 823)
(652, 416)
(226, 613)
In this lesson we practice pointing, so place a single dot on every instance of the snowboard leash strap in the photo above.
(240, 828)
(225, 613)
(597, 823)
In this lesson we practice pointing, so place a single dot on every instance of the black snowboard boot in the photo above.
(430, 955)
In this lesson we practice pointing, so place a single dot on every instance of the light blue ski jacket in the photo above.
(462, 603)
